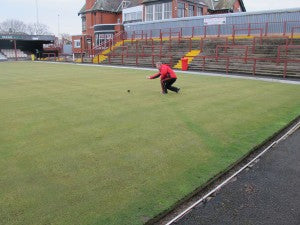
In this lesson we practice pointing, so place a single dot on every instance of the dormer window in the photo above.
(83, 23)
(125, 4)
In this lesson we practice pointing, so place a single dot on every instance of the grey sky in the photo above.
(49, 10)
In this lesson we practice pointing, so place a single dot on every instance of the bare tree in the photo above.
(38, 29)
(67, 38)
(12, 26)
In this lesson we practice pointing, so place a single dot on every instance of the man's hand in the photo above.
(149, 78)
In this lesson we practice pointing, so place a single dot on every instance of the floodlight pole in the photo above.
(212, 3)
(58, 25)
(37, 11)
(15, 47)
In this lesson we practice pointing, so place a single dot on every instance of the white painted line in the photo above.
(289, 132)
(241, 76)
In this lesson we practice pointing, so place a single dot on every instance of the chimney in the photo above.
(89, 4)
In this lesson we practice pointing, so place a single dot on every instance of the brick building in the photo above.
(224, 6)
(102, 19)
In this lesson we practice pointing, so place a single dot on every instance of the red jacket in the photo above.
(165, 72)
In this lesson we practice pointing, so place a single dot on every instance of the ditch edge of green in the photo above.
(172, 211)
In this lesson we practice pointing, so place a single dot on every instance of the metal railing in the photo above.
(139, 56)
(267, 28)
(245, 58)
(259, 31)
(254, 60)
(250, 29)
(286, 48)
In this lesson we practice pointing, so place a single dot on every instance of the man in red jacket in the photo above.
(167, 78)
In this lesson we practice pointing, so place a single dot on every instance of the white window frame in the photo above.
(147, 15)
(158, 14)
(181, 3)
(199, 11)
(192, 13)
(83, 23)
(126, 17)
(163, 13)
(139, 15)
(133, 14)
(167, 12)
(77, 43)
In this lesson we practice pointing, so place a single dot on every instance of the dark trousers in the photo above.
(166, 85)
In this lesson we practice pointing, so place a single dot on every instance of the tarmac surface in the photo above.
(266, 193)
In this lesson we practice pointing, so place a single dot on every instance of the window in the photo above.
(83, 24)
(191, 10)
(133, 16)
(180, 10)
(125, 4)
(149, 13)
(77, 44)
(127, 16)
(139, 16)
(199, 11)
(167, 10)
(102, 40)
(158, 12)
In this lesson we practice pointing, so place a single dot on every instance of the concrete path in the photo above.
(267, 193)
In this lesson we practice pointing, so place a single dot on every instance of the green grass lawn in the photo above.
(76, 148)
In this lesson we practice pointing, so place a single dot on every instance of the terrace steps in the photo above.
(146, 52)
(103, 56)
(267, 51)
(190, 56)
